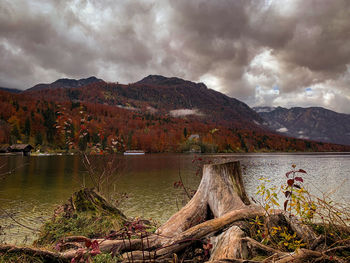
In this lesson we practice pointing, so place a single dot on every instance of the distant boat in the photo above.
(134, 152)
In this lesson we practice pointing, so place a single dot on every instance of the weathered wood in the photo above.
(225, 190)
(211, 226)
(269, 250)
(216, 212)
(128, 245)
(306, 255)
(300, 255)
(191, 214)
(229, 244)
(41, 253)
(221, 190)
(222, 195)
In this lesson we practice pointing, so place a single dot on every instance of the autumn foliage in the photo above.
(33, 118)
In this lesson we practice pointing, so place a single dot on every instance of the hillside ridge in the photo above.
(314, 123)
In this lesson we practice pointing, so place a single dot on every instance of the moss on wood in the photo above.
(86, 213)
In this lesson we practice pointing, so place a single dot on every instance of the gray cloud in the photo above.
(233, 46)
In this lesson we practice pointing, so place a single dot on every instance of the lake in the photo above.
(39, 183)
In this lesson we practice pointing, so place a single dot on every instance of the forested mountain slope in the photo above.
(314, 123)
(156, 114)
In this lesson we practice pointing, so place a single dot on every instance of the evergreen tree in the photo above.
(185, 132)
(26, 129)
(49, 122)
(38, 139)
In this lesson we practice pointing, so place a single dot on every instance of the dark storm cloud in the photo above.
(209, 35)
(63, 42)
(43, 42)
(234, 46)
(321, 39)
(308, 36)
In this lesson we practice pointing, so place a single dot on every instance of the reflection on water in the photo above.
(41, 183)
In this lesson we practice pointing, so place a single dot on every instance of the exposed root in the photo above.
(45, 255)
(212, 227)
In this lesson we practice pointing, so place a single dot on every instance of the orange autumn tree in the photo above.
(98, 155)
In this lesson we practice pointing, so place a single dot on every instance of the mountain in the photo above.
(155, 114)
(314, 123)
(166, 96)
(182, 96)
(158, 80)
(10, 90)
(66, 83)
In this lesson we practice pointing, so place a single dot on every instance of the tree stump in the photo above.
(214, 221)
(219, 201)
(85, 209)
(220, 192)
(217, 217)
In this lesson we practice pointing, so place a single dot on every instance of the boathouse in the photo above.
(21, 148)
(4, 148)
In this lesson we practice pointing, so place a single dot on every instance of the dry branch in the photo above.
(45, 254)
(216, 213)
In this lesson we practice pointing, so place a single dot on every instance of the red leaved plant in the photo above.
(293, 177)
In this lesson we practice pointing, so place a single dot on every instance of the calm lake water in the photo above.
(40, 183)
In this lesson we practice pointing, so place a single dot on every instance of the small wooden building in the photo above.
(4, 148)
(23, 148)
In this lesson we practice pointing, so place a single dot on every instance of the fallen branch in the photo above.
(214, 222)
(45, 254)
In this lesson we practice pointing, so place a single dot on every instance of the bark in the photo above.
(253, 244)
(46, 255)
(212, 221)
(220, 200)
(230, 244)
(210, 216)
(221, 190)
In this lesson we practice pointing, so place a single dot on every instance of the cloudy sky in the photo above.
(268, 52)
